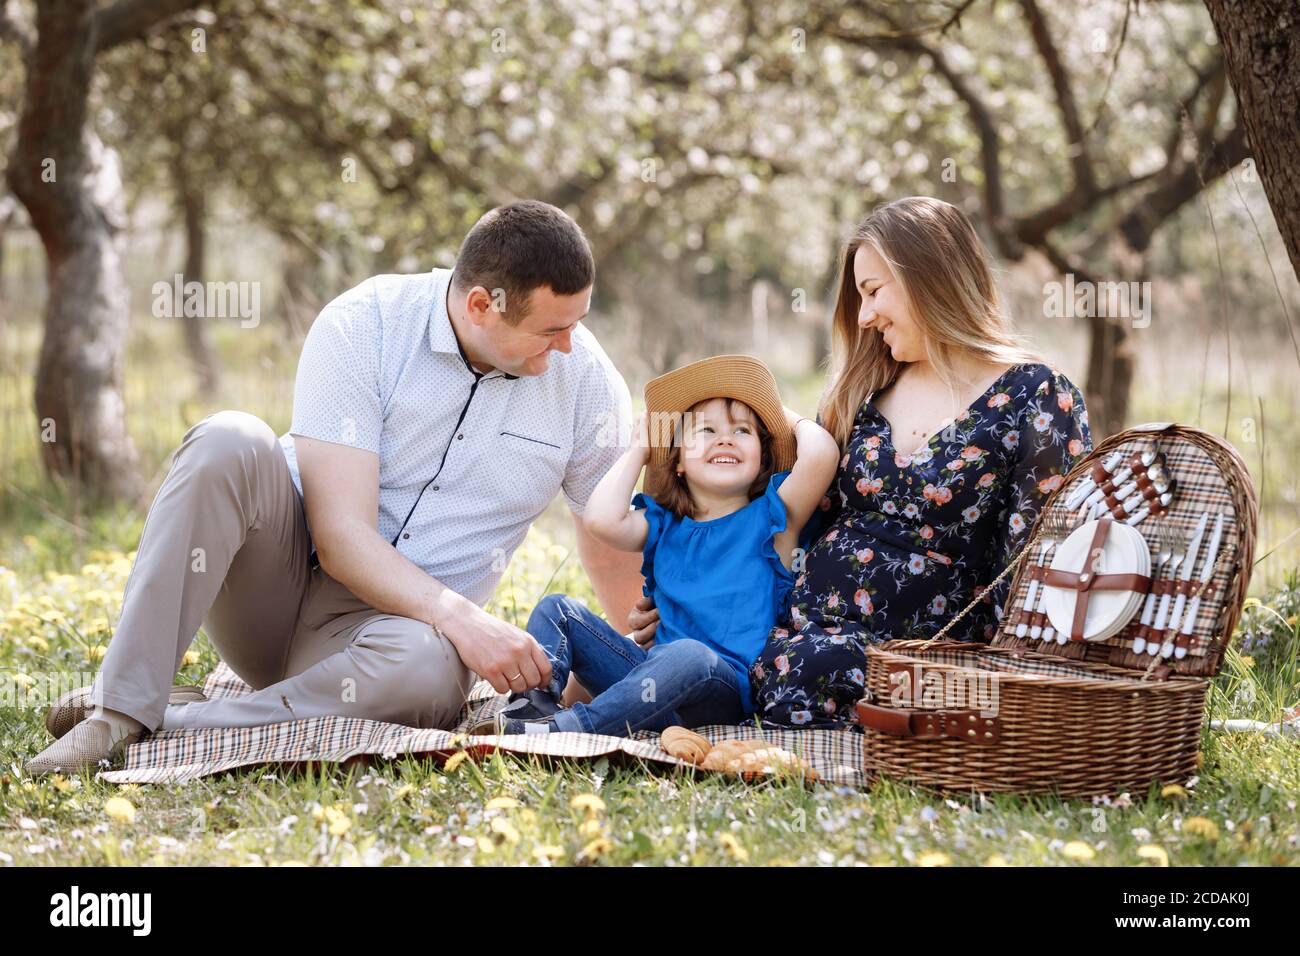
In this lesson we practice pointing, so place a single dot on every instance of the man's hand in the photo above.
(644, 621)
(500, 653)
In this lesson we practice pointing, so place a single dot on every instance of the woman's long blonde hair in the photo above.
(943, 272)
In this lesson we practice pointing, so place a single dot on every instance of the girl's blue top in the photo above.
(719, 582)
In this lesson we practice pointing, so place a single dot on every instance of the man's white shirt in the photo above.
(467, 460)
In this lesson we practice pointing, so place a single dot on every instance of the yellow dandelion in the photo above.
(933, 858)
(60, 783)
(318, 814)
(1202, 827)
(455, 760)
(596, 848)
(1079, 851)
(505, 829)
(997, 859)
(1173, 790)
(340, 823)
(547, 851)
(502, 803)
(96, 652)
(190, 659)
(38, 643)
(1247, 662)
(119, 809)
(45, 601)
(732, 846)
(589, 802)
(404, 790)
(1154, 853)
(24, 680)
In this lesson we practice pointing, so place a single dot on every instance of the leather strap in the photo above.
(965, 725)
(1086, 580)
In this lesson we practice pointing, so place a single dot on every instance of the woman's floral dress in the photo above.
(903, 543)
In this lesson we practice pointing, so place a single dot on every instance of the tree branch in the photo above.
(128, 20)
(1153, 208)
(980, 114)
(1084, 180)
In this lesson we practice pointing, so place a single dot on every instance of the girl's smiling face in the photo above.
(721, 450)
(884, 306)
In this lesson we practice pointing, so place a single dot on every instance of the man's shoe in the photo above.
(83, 747)
(75, 706)
(531, 708)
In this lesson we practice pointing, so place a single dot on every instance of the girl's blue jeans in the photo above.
(682, 683)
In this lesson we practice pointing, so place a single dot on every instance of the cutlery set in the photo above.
(1129, 490)
(1091, 580)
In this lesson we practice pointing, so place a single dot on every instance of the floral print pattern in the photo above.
(904, 542)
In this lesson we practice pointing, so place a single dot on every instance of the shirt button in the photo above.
(407, 535)
(460, 436)
(435, 487)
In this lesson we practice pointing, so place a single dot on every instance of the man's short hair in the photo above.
(521, 247)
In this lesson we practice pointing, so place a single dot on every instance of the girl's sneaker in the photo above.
(506, 725)
(529, 712)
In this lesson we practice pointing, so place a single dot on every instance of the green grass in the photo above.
(65, 562)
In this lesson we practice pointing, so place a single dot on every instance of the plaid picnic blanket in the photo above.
(173, 756)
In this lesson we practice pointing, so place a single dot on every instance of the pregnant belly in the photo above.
(877, 575)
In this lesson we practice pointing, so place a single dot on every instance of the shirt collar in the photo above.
(442, 337)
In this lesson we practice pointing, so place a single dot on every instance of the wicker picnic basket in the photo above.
(1084, 718)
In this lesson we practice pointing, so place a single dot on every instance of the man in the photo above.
(343, 568)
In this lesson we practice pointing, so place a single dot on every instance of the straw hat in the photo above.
(741, 377)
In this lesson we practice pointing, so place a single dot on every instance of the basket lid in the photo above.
(1211, 481)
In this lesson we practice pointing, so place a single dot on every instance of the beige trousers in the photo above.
(225, 545)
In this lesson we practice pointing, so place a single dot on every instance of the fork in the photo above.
(1167, 540)
(1178, 555)
(1056, 525)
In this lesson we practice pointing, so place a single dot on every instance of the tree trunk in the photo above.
(72, 189)
(1261, 46)
(193, 209)
(299, 300)
(1110, 375)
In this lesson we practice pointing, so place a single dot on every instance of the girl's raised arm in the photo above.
(608, 515)
(817, 455)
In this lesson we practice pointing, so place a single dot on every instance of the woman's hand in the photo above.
(644, 621)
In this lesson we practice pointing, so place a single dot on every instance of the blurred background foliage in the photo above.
(716, 153)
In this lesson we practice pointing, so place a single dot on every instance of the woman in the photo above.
(952, 434)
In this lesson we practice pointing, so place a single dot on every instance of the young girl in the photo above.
(731, 477)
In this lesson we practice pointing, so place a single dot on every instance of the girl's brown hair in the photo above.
(678, 498)
(943, 272)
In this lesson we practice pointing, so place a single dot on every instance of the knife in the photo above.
(1207, 572)
(1185, 574)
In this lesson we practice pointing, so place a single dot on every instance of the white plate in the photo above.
(1125, 552)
